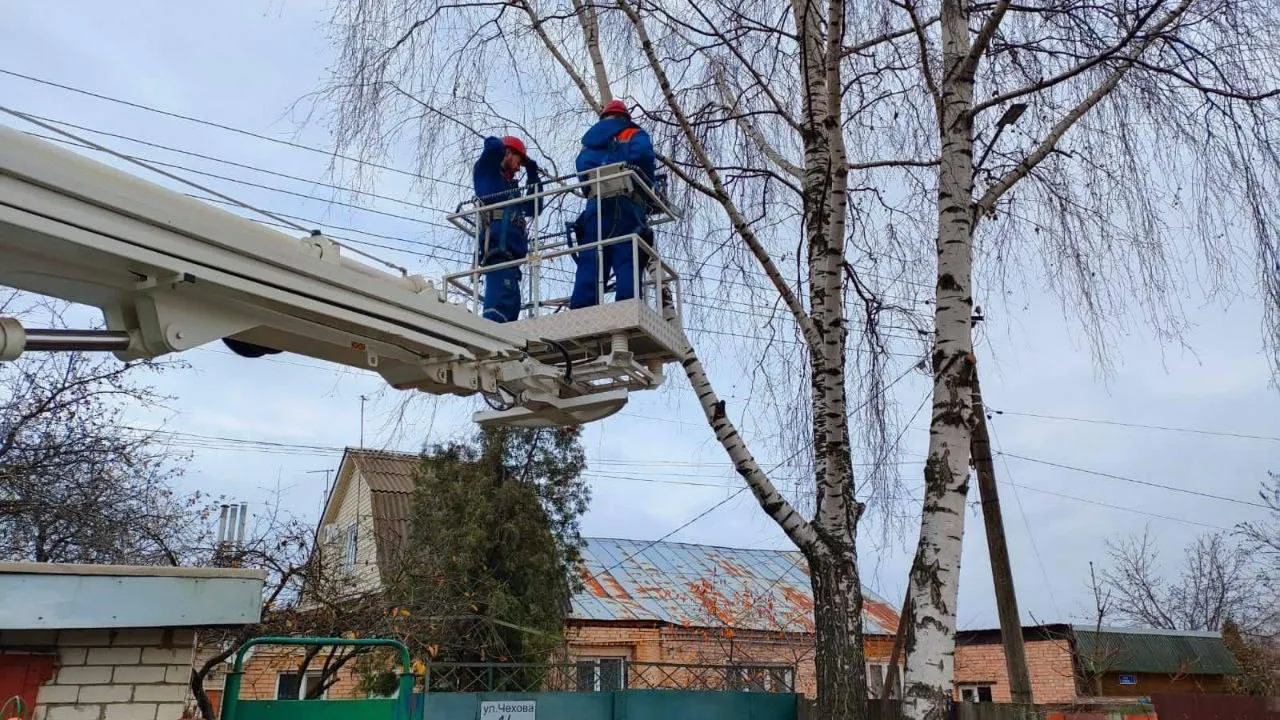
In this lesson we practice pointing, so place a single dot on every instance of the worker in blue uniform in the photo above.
(503, 233)
(615, 138)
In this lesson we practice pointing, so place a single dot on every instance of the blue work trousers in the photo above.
(503, 241)
(618, 216)
(501, 292)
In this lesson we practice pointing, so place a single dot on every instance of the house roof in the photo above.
(706, 586)
(1030, 633)
(1155, 651)
(68, 596)
(633, 580)
(389, 476)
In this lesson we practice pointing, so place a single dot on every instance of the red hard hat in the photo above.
(514, 143)
(615, 107)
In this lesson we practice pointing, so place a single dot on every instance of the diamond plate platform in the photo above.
(586, 332)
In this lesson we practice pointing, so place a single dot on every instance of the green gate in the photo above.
(398, 708)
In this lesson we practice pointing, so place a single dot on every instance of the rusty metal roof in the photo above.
(706, 586)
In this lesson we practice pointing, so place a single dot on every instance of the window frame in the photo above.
(302, 684)
(974, 689)
(597, 674)
(351, 545)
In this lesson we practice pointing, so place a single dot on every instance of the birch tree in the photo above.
(828, 155)
(1147, 148)
(747, 104)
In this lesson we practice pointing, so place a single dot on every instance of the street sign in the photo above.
(508, 709)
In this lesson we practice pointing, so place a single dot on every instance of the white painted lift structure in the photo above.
(171, 273)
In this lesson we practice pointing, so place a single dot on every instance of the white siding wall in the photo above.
(356, 506)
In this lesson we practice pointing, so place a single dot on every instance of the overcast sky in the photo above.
(244, 66)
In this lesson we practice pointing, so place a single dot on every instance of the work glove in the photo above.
(530, 165)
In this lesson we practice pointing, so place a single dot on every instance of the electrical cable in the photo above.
(1148, 483)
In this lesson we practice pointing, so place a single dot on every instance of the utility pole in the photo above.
(1015, 654)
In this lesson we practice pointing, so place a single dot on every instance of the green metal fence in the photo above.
(620, 705)
(739, 692)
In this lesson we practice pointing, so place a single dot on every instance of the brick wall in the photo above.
(1049, 661)
(666, 644)
(641, 644)
(110, 674)
(262, 671)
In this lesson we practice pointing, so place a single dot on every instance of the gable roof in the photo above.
(635, 580)
(706, 586)
(1155, 651)
(389, 477)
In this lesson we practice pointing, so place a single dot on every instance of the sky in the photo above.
(1074, 465)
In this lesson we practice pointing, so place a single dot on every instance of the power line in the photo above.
(1035, 547)
(301, 146)
(754, 310)
(1117, 507)
(1169, 428)
(1148, 483)
(220, 126)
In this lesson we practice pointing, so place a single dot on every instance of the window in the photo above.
(353, 537)
(877, 673)
(975, 693)
(288, 686)
(761, 678)
(601, 674)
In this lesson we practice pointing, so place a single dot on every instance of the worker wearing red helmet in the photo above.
(503, 233)
(615, 138)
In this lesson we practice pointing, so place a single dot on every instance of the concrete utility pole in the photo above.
(1015, 654)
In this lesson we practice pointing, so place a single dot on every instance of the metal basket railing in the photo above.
(550, 265)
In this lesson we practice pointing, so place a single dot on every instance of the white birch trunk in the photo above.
(934, 581)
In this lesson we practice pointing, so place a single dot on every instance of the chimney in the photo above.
(222, 525)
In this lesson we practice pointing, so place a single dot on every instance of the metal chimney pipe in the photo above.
(222, 525)
(244, 517)
(232, 512)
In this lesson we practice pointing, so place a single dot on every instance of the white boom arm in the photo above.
(171, 273)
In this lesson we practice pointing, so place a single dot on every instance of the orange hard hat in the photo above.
(615, 107)
(516, 144)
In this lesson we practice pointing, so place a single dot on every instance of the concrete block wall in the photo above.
(125, 674)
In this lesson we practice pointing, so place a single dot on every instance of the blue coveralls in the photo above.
(604, 144)
(503, 236)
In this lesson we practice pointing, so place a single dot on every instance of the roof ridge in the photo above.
(387, 453)
(1158, 632)
(656, 543)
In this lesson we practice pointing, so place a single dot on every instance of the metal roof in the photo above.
(386, 471)
(706, 586)
(1150, 651)
(677, 583)
(69, 596)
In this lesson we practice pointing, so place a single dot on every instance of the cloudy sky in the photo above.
(275, 427)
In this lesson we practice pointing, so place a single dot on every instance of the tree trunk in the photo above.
(203, 704)
(934, 582)
(837, 614)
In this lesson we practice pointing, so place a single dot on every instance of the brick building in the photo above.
(111, 642)
(649, 604)
(1072, 662)
(643, 604)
